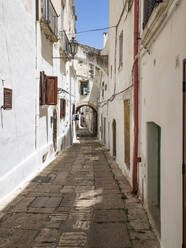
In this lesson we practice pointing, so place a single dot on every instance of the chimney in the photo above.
(105, 38)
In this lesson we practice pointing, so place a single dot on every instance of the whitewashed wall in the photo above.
(119, 79)
(161, 79)
(26, 131)
(18, 158)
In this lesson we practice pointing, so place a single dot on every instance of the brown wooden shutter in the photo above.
(51, 90)
(7, 98)
(42, 88)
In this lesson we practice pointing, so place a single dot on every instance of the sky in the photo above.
(91, 14)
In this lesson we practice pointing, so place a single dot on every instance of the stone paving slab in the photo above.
(79, 200)
(104, 216)
(109, 235)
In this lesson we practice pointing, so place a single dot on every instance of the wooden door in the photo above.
(127, 132)
(184, 153)
(114, 137)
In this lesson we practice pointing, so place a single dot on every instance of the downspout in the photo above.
(136, 82)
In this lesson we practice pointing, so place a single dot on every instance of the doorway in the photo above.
(55, 129)
(104, 132)
(114, 137)
(127, 132)
(154, 172)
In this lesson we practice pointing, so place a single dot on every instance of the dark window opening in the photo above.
(149, 6)
(84, 88)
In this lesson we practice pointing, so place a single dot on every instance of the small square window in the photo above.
(84, 88)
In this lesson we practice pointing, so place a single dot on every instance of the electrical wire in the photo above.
(92, 30)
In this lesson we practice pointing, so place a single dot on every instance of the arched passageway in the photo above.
(87, 118)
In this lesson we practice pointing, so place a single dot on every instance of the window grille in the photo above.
(51, 17)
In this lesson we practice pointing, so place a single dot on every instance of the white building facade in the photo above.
(37, 82)
(161, 108)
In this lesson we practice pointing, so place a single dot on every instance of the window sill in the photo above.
(154, 23)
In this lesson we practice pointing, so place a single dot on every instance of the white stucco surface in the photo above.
(161, 102)
(17, 135)
(26, 130)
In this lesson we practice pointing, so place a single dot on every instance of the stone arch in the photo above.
(88, 104)
(95, 114)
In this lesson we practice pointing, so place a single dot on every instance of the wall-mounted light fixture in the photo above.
(73, 47)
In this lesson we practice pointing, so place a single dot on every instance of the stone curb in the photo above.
(140, 230)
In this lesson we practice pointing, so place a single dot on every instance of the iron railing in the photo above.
(51, 17)
(65, 43)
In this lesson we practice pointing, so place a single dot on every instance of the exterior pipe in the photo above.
(136, 81)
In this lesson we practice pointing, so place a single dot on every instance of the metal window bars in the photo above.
(64, 43)
(51, 17)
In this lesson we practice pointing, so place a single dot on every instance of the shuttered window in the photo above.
(48, 89)
(62, 108)
(149, 6)
(7, 98)
(51, 90)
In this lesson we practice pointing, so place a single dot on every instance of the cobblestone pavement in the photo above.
(79, 200)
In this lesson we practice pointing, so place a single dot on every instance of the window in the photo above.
(102, 93)
(7, 98)
(103, 84)
(48, 89)
(127, 132)
(84, 88)
(51, 17)
(149, 6)
(121, 49)
(73, 109)
(62, 108)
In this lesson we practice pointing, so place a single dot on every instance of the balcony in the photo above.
(49, 21)
(64, 49)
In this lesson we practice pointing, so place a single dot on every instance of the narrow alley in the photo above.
(80, 200)
(92, 124)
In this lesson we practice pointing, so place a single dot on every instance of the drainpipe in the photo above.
(136, 81)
